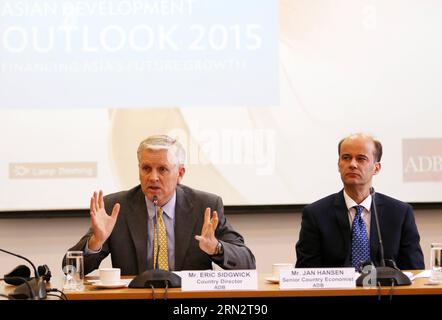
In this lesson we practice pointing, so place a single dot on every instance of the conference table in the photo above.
(419, 287)
(267, 302)
(271, 302)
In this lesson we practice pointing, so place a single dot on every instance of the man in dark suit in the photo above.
(329, 226)
(196, 236)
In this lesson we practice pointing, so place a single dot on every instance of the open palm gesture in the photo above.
(102, 224)
(207, 240)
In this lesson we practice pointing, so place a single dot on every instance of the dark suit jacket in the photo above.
(325, 236)
(127, 243)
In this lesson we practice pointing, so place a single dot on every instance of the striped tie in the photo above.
(360, 247)
(163, 259)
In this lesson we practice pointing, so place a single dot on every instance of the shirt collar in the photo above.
(350, 203)
(168, 208)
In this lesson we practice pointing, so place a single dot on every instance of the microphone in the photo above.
(156, 233)
(33, 288)
(156, 278)
(383, 275)
(378, 228)
(17, 274)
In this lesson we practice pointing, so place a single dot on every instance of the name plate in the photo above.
(309, 278)
(209, 280)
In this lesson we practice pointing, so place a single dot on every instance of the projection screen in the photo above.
(259, 92)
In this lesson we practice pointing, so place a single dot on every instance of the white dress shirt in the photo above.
(366, 215)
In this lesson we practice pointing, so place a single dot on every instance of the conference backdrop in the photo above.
(259, 92)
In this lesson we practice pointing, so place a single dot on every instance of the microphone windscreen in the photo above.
(20, 271)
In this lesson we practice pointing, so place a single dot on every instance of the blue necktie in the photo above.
(360, 247)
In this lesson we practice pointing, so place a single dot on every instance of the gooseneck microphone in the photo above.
(16, 276)
(30, 289)
(378, 229)
(156, 233)
(21, 257)
(156, 278)
(383, 275)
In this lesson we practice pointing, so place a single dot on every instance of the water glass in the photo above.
(74, 271)
(436, 262)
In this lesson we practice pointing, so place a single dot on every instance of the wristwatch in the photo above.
(219, 251)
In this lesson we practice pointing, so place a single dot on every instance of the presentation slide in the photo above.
(259, 92)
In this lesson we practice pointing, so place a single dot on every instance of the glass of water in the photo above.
(436, 262)
(74, 271)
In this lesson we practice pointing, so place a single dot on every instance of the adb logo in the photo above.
(422, 159)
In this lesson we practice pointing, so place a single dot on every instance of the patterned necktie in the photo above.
(160, 243)
(360, 248)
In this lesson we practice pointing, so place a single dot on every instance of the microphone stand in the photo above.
(26, 283)
(29, 288)
(383, 275)
(156, 278)
(156, 233)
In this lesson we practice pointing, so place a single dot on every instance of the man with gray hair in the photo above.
(191, 224)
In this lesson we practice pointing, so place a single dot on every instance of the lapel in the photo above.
(341, 213)
(137, 221)
(185, 221)
(374, 239)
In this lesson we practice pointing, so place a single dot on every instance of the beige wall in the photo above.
(271, 237)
